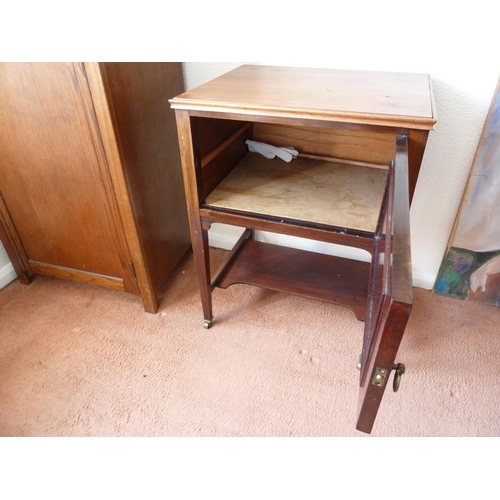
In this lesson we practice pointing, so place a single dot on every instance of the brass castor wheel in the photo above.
(207, 324)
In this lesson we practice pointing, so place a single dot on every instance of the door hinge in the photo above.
(132, 268)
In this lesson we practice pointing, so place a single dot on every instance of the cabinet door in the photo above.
(53, 177)
(390, 292)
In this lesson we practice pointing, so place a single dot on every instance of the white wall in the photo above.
(7, 273)
(456, 47)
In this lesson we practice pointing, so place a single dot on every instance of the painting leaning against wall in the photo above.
(471, 266)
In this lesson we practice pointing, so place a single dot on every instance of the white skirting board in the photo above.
(225, 236)
(7, 274)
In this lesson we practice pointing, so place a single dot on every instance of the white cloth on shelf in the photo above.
(267, 150)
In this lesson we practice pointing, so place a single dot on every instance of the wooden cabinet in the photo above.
(361, 138)
(90, 175)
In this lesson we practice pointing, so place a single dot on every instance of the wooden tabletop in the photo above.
(368, 97)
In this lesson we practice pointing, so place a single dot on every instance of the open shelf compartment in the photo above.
(309, 274)
(324, 192)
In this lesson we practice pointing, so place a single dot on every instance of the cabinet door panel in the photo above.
(390, 293)
(49, 170)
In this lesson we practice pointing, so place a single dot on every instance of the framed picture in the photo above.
(471, 266)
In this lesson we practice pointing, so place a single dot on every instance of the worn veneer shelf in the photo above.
(309, 274)
(308, 190)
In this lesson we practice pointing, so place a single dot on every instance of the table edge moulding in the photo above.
(358, 139)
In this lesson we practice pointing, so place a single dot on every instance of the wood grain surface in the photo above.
(310, 190)
(368, 97)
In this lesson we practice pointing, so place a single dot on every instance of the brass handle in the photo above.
(399, 370)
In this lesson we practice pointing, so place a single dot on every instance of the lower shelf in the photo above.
(323, 277)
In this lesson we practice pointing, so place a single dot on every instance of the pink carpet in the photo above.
(77, 360)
